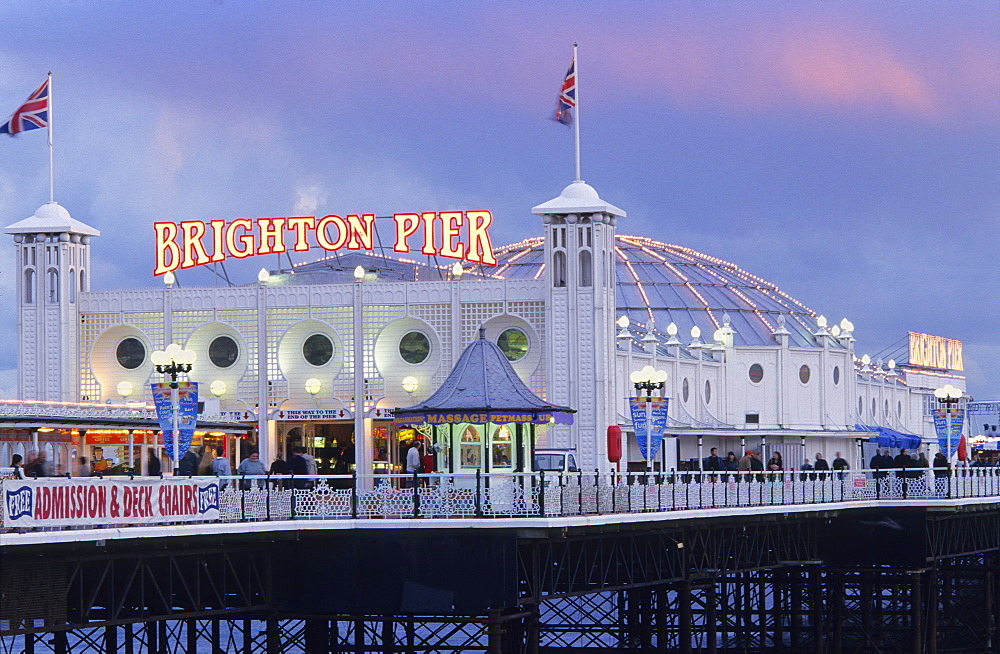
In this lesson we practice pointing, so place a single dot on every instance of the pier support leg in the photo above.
(317, 633)
(273, 636)
(684, 606)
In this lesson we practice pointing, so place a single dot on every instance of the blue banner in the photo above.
(945, 420)
(657, 415)
(187, 414)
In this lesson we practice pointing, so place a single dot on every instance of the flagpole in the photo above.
(576, 122)
(52, 193)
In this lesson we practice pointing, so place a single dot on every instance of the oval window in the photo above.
(223, 352)
(836, 375)
(804, 374)
(513, 343)
(887, 408)
(414, 347)
(756, 373)
(873, 407)
(861, 406)
(708, 391)
(899, 409)
(685, 390)
(131, 353)
(317, 350)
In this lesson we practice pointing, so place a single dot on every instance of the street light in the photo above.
(410, 385)
(649, 379)
(173, 361)
(948, 395)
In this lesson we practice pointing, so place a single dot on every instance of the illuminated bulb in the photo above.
(313, 386)
(218, 388)
(411, 384)
(672, 329)
(457, 270)
(821, 321)
(125, 388)
(359, 273)
(866, 359)
(696, 332)
(263, 276)
(623, 322)
(169, 278)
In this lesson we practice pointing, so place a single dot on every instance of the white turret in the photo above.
(580, 312)
(53, 256)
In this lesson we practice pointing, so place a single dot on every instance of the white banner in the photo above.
(110, 501)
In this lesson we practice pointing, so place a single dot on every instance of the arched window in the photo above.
(29, 286)
(83, 285)
(559, 269)
(52, 286)
(471, 448)
(72, 285)
(586, 269)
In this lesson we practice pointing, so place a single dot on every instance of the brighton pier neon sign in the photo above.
(453, 234)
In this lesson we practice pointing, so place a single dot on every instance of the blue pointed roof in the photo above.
(483, 382)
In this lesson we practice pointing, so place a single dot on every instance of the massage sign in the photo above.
(462, 235)
(109, 501)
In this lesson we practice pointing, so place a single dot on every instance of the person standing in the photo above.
(220, 466)
(712, 462)
(414, 461)
(251, 466)
(840, 464)
(188, 466)
(15, 463)
(83, 468)
(821, 464)
(153, 465)
(279, 466)
(297, 465)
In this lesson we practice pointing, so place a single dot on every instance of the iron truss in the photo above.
(751, 585)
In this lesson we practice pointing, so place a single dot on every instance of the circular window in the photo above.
(708, 391)
(317, 350)
(756, 373)
(131, 353)
(414, 347)
(685, 390)
(223, 352)
(804, 374)
(836, 375)
(513, 343)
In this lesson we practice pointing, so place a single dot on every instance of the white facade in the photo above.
(811, 390)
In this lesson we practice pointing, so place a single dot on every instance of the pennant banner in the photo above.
(187, 413)
(648, 427)
(946, 421)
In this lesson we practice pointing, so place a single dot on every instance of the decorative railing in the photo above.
(57, 502)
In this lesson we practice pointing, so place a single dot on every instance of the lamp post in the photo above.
(948, 395)
(173, 361)
(649, 379)
(362, 459)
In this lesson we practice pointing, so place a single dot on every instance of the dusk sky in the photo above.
(848, 152)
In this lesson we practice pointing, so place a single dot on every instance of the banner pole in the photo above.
(52, 194)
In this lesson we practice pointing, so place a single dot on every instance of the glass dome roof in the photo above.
(669, 283)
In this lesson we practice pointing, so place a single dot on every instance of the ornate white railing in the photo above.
(434, 496)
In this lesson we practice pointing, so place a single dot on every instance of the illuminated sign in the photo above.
(452, 234)
(935, 352)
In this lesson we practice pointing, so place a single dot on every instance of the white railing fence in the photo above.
(512, 495)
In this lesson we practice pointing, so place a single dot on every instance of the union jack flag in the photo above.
(34, 113)
(567, 96)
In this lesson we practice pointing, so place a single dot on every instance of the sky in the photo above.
(848, 152)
